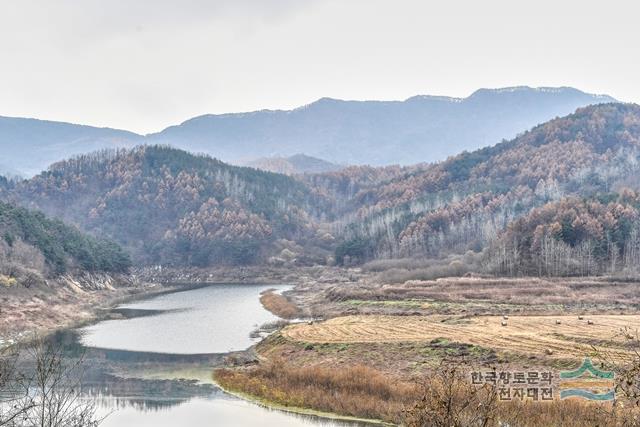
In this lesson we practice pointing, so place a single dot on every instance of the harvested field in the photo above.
(532, 335)
(493, 295)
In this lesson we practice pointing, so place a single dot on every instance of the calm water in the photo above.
(212, 319)
(154, 369)
(218, 412)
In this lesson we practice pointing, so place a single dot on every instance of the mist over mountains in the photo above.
(419, 129)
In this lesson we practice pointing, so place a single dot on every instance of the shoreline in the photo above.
(72, 301)
(72, 307)
(94, 302)
(297, 410)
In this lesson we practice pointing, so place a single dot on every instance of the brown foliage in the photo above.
(169, 206)
(450, 400)
(446, 399)
(572, 237)
(466, 201)
(279, 305)
(356, 391)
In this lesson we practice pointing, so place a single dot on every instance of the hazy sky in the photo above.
(144, 65)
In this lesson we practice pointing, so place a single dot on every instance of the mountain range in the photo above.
(419, 129)
(28, 146)
(570, 187)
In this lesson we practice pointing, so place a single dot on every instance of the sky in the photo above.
(143, 65)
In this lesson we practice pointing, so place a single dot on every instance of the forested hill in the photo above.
(467, 201)
(171, 207)
(168, 206)
(572, 236)
(33, 246)
(590, 138)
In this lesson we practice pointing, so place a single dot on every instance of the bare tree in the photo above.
(12, 402)
(451, 400)
(48, 391)
(625, 363)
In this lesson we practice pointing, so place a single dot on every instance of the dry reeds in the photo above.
(447, 398)
(357, 391)
(279, 305)
(450, 400)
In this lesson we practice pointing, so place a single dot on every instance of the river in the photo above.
(152, 365)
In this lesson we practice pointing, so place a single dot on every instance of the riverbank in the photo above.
(65, 302)
(411, 332)
(269, 404)
(249, 274)
(75, 299)
(356, 392)
(369, 341)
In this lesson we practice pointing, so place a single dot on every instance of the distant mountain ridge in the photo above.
(419, 129)
(28, 146)
(422, 128)
(293, 165)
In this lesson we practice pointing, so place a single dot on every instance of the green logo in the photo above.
(587, 382)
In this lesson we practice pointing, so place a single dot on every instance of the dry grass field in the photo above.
(485, 296)
(589, 291)
(531, 335)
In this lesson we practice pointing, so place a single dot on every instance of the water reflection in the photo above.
(162, 402)
(219, 412)
(147, 395)
(150, 363)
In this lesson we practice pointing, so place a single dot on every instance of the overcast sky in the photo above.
(144, 65)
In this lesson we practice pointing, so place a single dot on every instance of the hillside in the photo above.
(573, 236)
(33, 247)
(171, 207)
(293, 165)
(167, 206)
(419, 129)
(467, 201)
